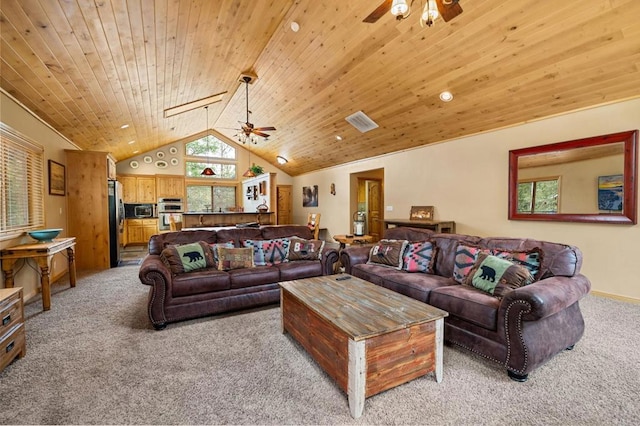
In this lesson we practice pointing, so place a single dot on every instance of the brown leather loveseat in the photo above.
(521, 330)
(181, 296)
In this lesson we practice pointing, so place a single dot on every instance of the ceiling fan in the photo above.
(245, 134)
(448, 9)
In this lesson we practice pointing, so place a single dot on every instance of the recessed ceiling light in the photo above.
(136, 151)
(295, 27)
(124, 126)
(281, 159)
(338, 137)
(132, 142)
(446, 96)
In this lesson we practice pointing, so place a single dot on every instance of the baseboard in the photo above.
(616, 297)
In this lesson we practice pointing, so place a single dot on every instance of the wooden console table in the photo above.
(42, 253)
(441, 227)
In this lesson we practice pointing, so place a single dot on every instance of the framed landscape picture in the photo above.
(610, 192)
(57, 183)
(421, 213)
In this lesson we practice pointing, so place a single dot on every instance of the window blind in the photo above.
(21, 182)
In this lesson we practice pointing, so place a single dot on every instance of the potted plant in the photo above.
(257, 170)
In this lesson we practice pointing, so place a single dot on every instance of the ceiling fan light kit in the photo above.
(281, 160)
(401, 9)
(249, 133)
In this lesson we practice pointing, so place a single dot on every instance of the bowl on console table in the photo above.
(45, 235)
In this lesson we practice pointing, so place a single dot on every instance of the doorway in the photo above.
(367, 195)
(284, 204)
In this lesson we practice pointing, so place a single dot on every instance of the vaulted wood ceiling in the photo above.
(88, 67)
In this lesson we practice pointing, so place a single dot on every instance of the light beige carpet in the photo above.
(95, 359)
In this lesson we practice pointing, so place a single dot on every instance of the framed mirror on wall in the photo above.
(584, 180)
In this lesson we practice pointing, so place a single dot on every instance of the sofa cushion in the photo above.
(388, 253)
(299, 269)
(234, 258)
(497, 276)
(238, 235)
(251, 277)
(416, 286)
(268, 252)
(301, 249)
(197, 282)
(419, 257)
(466, 256)
(467, 303)
(188, 257)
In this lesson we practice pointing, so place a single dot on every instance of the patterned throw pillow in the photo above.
(268, 252)
(215, 246)
(301, 249)
(530, 259)
(466, 256)
(497, 276)
(388, 253)
(234, 258)
(419, 257)
(188, 257)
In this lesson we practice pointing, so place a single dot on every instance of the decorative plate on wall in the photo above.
(147, 159)
(160, 154)
(133, 164)
(174, 161)
(173, 150)
(161, 164)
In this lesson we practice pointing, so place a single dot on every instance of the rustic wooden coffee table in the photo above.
(366, 337)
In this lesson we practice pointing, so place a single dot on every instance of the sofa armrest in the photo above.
(354, 255)
(548, 296)
(329, 257)
(150, 265)
(155, 273)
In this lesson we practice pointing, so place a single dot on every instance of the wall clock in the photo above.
(160, 154)
(173, 150)
(174, 161)
(133, 164)
(161, 164)
(147, 159)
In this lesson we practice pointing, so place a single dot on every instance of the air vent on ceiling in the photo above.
(360, 121)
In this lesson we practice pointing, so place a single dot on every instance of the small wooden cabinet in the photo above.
(138, 189)
(12, 337)
(168, 186)
(139, 231)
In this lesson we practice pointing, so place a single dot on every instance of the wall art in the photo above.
(310, 196)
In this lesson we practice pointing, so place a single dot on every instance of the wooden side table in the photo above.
(352, 239)
(439, 226)
(344, 241)
(42, 253)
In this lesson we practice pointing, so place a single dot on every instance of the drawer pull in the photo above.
(10, 346)
(6, 320)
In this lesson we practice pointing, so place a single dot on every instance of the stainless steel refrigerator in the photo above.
(116, 222)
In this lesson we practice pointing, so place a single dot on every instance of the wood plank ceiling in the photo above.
(88, 67)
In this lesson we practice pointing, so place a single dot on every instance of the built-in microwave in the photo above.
(143, 210)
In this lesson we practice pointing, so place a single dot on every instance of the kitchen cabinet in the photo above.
(169, 186)
(138, 189)
(139, 231)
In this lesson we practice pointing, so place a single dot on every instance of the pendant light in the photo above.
(208, 171)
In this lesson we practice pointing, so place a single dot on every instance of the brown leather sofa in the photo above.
(521, 331)
(177, 297)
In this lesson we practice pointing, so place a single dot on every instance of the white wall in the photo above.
(467, 180)
(19, 118)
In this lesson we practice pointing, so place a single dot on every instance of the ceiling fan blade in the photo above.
(264, 135)
(450, 10)
(262, 129)
(379, 12)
